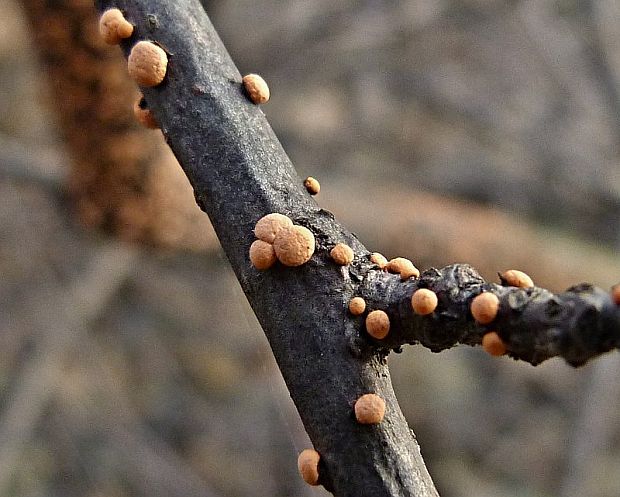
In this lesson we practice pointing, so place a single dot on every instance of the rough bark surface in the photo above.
(239, 173)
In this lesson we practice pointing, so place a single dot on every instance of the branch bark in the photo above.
(240, 173)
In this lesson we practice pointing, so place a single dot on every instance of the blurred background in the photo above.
(480, 131)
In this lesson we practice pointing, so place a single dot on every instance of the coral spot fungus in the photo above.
(424, 301)
(294, 245)
(484, 307)
(379, 260)
(357, 306)
(262, 255)
(513, 277)
(256, 88)
(404, 267)
(615, 294)
(113, 27)
(308, 466)
(493, 344)
(312, 186)
(268, 226)
(147, 63)
(342, 254)
(369, 409)
(377, 324)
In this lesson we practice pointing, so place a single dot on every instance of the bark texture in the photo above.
(240, 173)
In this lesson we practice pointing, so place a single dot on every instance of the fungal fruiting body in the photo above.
(493, 344)
(256, 88)
(294, 245)
(312, 186)
(308, 466)
(268, 226)
(143, 114)
(615, 294)
(404, 267)
(147, 64)
(113, 27)
(379, 260)
(377, 324)
(262, 255)
(484, 307)
(342, 254)
(513, 277)
(357, 306)
(369, 409)
(424, 301)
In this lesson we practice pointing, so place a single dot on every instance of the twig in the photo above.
(240, 173)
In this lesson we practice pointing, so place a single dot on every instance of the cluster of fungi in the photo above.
(279, 239)
(148, 62)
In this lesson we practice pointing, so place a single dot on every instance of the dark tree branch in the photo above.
(535, 324)
(240, 173)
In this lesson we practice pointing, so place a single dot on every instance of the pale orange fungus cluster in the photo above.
(280, 239)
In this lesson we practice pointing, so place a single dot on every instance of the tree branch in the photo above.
(240, 173)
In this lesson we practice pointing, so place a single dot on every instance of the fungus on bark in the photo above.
(316, 347)
(308, 466)
(312, 186)
(294, 245)
(404, 267)
(268, 226)
(256, 88)
(357, 306)
(484, 307)
(113, 27)
(379, 260)
(147, 64)
(424, 301)
(262, 255)
(516, 278)
(615, 294)
(378, 324)
(493, 344)
(369, 409)
(342, 254)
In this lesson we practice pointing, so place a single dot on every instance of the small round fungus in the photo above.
(294, 245)
(357, 306)
(493, 344)
(113, 27)
(308, 466)
(379, 260)
(424, 301)
(147, 63)
(268, 226)
(262, 255)
(342, 254)
(256, 88)
(143, 114)
(377, 324)
(615, 294)
(369, 409)
(404, 267)
(484, 307)
(516, 278)
(312, 185)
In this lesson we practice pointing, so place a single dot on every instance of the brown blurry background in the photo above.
(446, 131)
